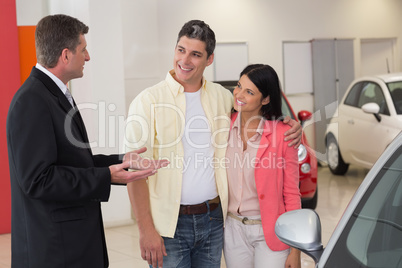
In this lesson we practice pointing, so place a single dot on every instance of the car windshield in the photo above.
(373, 235)
(395, 88)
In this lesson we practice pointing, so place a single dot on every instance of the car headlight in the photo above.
(302, 152)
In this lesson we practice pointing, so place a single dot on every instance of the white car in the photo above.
(369, 234)
(367, 119)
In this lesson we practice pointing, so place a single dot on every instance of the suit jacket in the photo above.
(277, 179)
(57, 184)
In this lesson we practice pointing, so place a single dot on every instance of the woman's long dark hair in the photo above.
(266, 80)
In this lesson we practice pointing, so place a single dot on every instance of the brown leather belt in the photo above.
(199, 208)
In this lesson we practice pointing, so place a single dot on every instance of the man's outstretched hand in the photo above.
(132, 160)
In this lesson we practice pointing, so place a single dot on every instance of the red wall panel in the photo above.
(9, 84)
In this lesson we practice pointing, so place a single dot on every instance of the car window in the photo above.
(371, 92)
(353, 95)
(395, 89)
(286, 109)
(373, 235)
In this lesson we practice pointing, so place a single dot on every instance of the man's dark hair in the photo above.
(199, 30)
(55, 33)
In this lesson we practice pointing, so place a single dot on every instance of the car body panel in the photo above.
(307, 181)
(360, 192)
(360, 136)
(369, 233)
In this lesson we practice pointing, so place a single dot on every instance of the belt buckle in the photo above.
(244, 220)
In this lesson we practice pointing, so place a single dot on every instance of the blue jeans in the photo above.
(197, 242)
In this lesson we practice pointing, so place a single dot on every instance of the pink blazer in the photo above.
(276, 178)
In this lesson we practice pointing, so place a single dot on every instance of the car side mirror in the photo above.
(301, 229)
(304, 116)
(372, 108)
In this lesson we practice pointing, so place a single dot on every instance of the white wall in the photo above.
(266, 24)
(29, 12)
(140, 45)
(131, 43)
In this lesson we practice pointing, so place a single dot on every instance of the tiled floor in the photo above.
(334, 195)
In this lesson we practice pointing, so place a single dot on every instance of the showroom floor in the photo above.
(334, 195)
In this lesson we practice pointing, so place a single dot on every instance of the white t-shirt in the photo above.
(198, 172)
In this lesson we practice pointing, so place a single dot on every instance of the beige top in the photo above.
(243, 198)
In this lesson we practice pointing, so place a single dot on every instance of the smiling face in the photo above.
(247, 98)
(190, 61)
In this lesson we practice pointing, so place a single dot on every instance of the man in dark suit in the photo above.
(57, 184)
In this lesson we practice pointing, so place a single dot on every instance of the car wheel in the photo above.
(311, 203)
(334, 157)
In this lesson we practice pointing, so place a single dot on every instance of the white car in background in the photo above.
(368, 118)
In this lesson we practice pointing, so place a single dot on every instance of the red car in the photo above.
(307, 157)
(307, 160)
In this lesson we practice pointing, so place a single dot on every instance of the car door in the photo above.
(366, 137)
(346, 127)
(372, 236)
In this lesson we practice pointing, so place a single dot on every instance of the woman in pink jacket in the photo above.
(263, 174)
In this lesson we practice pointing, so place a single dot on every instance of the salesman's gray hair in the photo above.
(55, 33)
